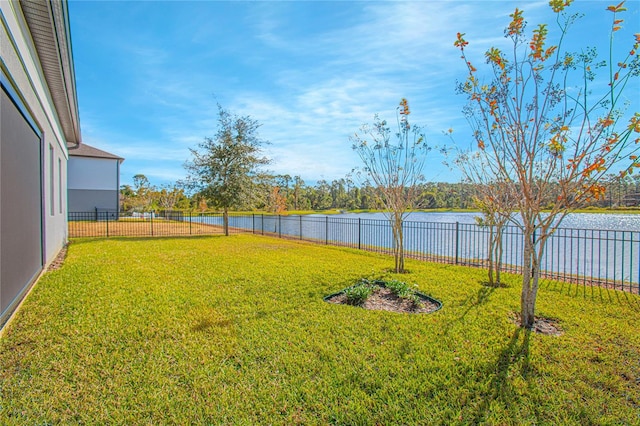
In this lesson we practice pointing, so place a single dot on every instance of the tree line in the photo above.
(283, 193)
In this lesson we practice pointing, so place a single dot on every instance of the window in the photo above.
(52, 207)
(60, 185)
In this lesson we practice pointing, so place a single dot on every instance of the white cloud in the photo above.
(311, 84)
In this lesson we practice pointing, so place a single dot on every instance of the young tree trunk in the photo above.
(530, 278)
(495, 253)
(398, 243)
(225, 221)
(400, 261)
(492, 248)
(396, 257)
(498, 254)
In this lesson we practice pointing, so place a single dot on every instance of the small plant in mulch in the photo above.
(356, 295)
(404, 291)
(393, 295)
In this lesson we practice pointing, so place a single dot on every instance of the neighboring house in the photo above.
(93, 180)
(39, 118)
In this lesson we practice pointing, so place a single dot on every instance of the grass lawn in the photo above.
(233, 330)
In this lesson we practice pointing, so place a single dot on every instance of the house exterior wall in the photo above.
(93, 173)
(22, 81)
(88, 200)
(93, 183)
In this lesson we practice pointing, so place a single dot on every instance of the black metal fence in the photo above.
(586, 256)
(151, 224)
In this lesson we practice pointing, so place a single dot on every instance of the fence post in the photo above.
(359, 233)
(326, 230)
(300, 226)
(262, 224)
(622, 276)
(189, 222)
(457, 240)
(279, 226)
(253, 223)
(107, 225)
(638, 292)
(151, 220)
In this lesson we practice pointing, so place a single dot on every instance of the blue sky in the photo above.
(149, 73)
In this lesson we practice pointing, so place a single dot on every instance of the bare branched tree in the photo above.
(169, 195)
(394, 168)
(552, 123)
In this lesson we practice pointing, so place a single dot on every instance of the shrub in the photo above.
(416, 301)
(358, 294)
(404, 291)
(399, 288)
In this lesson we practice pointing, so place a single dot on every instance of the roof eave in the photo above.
(48, 23)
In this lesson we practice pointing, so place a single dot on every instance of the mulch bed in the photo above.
(542, 325)
(383, 299)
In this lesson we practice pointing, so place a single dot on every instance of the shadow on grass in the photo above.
(494, 285)
(471, 303)
(594, 292)
(512, 362)
(203, 324)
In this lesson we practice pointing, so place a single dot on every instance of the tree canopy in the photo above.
(225, 169)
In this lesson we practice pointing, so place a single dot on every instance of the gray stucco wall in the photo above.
(86, 200)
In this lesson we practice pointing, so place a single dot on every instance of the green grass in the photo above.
(233, 330)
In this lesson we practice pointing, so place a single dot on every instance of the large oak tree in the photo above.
(225, 169)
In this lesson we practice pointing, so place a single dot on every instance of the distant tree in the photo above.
(169, 195)
(276, 202)
(299, 191)
(283, 185)
(224, 169)
(368, 198)
(143, 193)
(140, 183)
(320, 196)
(202, 204)
(126, 196)
(395, 168)
(339, 194)
(184, 203)
(550, 125)
(352, 195)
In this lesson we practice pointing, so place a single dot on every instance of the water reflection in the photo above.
(600, 221)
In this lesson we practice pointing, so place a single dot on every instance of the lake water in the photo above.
(599, 221)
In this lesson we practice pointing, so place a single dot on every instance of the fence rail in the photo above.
(586, 256)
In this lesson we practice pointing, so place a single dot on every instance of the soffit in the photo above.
(49, 27)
